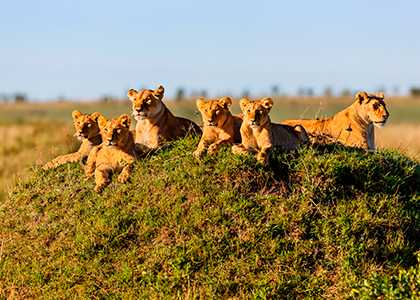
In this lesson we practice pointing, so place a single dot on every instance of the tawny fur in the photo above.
(155, 123)
(353, 126)
(259, 134)
(220, 127)
(115, 154)
(87, 131)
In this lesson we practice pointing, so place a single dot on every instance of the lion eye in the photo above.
(149, 101)
(106, 130)
(206, 111)
(119, 131)
(248, 111)
(375, 106)
(88, 125)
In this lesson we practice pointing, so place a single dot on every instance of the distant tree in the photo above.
(346, 93)
(4, 98)
(396, 90)
(301, 92)
(245, 93)
(415, 92)
(327, 92)
(310, 92)
(275, 91)
(180, 94)
(19, 98)
(203, 94)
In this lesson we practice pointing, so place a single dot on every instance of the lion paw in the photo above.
(212, 149)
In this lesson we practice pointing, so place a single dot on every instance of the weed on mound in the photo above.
(309, 226)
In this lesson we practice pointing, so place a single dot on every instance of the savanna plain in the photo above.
(321, 222)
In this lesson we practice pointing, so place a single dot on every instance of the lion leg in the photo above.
(241, 149)
(102, 177)
(125, 173)
(264, 155)
(301, 134)
(201, 149)
(215, 146)
(60, 160)
(91, 163)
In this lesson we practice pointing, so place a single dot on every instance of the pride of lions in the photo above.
(108, 146)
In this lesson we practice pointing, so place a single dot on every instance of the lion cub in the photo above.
(114, 155)
(220, 127)
(155, 122)
(87, 131)
(258, 133)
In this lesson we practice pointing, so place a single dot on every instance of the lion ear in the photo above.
(95, 116)
(75, 114)
(267, 103)
(131, 93)
(379, 95)
(200, 104)
(361, 96)
(159, 92)
(102, 122)
(125, 121)
(243, 103)
(225, 102)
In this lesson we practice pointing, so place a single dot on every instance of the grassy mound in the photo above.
(311, 225)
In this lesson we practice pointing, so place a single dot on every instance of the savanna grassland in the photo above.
(33, 133)
(323, 222)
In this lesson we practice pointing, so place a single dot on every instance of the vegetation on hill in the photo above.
(312, 225)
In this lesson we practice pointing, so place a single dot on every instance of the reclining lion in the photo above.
(259, 134)
(87, 131)
(353, 126)
(155, 122)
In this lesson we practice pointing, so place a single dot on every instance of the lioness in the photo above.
(115, 154)
(155, 122)
(258, 133)
(219, 125)
(87, 131)
(353, 126)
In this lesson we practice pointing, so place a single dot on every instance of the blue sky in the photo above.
(91, 49)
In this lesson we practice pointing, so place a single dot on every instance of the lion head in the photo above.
(373, 108)
(214, 112)
(86, 125)
(256, 112)
(115, 132)
(146, 102)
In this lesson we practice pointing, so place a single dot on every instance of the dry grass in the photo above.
(404, 137)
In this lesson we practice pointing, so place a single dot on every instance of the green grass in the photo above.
(310, 226)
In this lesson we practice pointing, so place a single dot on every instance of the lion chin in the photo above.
(380, 124)
(140, 117)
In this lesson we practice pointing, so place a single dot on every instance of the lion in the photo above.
(259, 133)
(353, 126)
(155, 123)
(116, 153)
(87, 131)
(220, 127)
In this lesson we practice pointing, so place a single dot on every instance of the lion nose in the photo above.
(210, 120)
(385, 116)
(109, 139)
